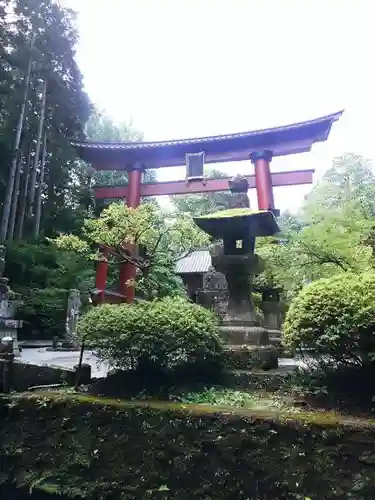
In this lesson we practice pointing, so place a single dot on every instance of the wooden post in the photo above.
(263, 179)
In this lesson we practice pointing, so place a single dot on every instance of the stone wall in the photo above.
(90, 448)
(25, 375)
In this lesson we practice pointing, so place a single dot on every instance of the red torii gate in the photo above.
(260, 146)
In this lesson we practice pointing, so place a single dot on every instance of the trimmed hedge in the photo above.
(103, 449)
(334, 317)
(166, 334)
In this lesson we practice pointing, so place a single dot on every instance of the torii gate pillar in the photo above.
(128, 271)
(263, 180)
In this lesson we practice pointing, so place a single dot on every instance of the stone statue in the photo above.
(214, 280)
(2, 260)
(72, 315)
(4, 288)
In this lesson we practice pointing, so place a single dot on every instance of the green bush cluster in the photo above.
(334, 317)
(164, 334)
(87, 448)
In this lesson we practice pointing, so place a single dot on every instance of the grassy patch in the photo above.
(235, 399)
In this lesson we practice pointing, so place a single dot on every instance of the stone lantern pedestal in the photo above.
(241, 323)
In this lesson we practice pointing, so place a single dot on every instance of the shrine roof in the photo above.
(284, 140)
(198, 261)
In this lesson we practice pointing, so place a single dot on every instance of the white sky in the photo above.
(187, 68)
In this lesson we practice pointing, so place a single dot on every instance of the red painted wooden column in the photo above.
(128, 271)
(134, 186)
(263, 179)
(101, 273)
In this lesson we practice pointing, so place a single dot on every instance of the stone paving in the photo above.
(41, 356)
(64, 359)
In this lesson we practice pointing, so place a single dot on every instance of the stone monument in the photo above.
(8, 307)
(214, 294)
(72, 316)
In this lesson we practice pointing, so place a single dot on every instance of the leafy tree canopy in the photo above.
(164, 240)
(334, 232)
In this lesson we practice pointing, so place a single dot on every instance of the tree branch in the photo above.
(139, 234)
(159, 239)
(325, 258)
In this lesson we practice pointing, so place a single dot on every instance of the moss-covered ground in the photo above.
(99, 448)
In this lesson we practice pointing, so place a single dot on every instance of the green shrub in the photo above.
(334, 317)
(167, 334)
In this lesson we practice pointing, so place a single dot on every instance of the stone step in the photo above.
(250, 357)
(241, 335)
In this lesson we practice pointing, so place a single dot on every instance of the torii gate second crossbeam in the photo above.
(288, 178)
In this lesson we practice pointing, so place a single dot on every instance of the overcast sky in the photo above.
(187, 68)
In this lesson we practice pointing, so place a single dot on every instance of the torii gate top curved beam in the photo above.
(285, 140)
(259, 146)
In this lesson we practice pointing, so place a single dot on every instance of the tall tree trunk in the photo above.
(23, 198)
(34, 172)
(13, 167)
(38, 210)
(15, 198)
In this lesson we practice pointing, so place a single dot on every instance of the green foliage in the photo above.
(201, 204)
(163, 240)
(335, 317)
(42, 275)
(119, 225)
(51, 58)
(350, 178)
(223, 397)
(41, 265)
(100, 448)
(343, 388)
(101, 127)
(167, 334)
(334, 231)
(160, 280)
(43, 312)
